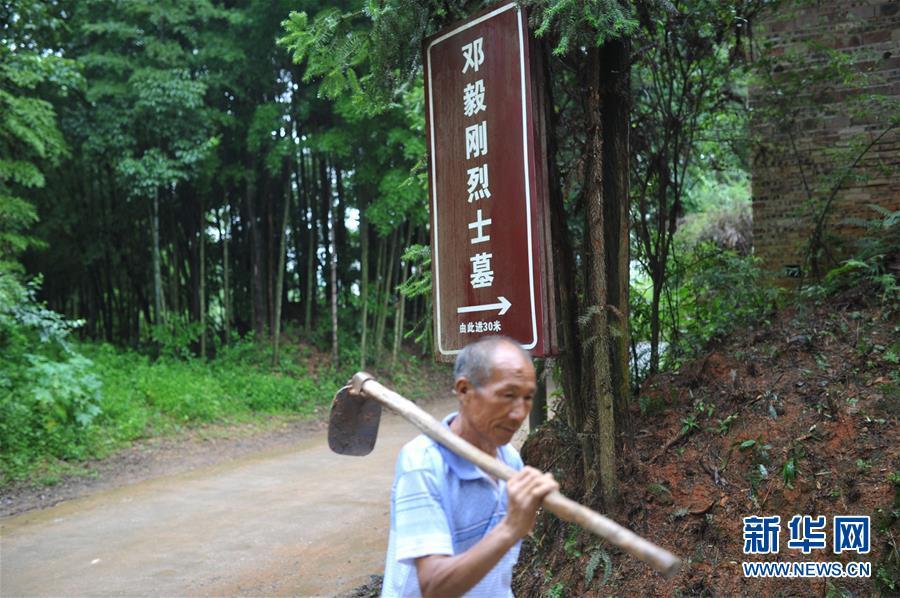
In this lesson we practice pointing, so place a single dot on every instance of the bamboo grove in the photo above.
(208, 192)
(238, 168)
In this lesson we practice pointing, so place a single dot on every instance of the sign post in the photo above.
(487, 193)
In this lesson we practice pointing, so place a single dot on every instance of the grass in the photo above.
(140, 398)
(138, 393)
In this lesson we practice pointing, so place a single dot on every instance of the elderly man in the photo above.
(455, 529)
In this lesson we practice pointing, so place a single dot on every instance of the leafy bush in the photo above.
(175, 336)
(49, 395)
(730, 227)
(60, 400)
(718, 292)
(711, 292)
(873, 264)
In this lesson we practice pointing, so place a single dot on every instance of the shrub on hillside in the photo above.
(875, 263)
(711, 292)
(49, 395)
(730, 227)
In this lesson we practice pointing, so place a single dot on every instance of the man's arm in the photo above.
(441, 575)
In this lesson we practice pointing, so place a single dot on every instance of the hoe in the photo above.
(353, 428)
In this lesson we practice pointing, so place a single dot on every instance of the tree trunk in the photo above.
(256, 251)
(538, 413)
(311, 269)
(325, 210)
(364, 278)
(279, 277)
(616, 97)
(174, 264)
(401, 303)
(340, 230)
(270, 255)
(657, 280)
(379, 283)
(157, 267)
(225, 234)
(334, 282)
(300, 231)
(202, 287)
(596, 294)
(387, 290)
(567, 297)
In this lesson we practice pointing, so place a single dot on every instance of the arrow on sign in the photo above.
(503, 306)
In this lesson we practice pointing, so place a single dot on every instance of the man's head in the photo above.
(495, 383)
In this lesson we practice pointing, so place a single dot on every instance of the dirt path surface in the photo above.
(297, 520)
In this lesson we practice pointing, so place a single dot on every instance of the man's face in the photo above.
(496, 410)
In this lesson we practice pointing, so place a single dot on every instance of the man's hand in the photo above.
(441, 575)
(526, 491)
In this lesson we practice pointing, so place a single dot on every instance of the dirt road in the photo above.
(297, 521)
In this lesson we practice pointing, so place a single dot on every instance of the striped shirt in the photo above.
(443, 504)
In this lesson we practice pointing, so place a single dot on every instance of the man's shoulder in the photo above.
(420, 453)
(424, 453)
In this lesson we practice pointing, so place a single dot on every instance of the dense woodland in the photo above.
(180, 178)
(204, 189)
(215, 210)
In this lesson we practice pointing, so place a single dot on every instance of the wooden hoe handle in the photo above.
(566, 509)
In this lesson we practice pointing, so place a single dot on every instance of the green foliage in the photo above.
(711, 293)
(371, 50)
(332, 47)
(66, 391)
(558, 590)
(30, 140)
(718, 291)
(418, 284)
(689, 127)
(176, 335)
(885, 524)
(869, 265)
(759, 462)
(833, 590)
(372, 53)
(47, 412)
(789, 472)
(168, 392)
(598, 555)
(885, 579)
(49, 395)
(266, 137)
(689, 424)
(581, 23)
(729, 227)
(723, 425)
(86, 406)
(150, 114)
(572, 542)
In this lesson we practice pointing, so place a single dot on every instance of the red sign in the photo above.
(486, 205)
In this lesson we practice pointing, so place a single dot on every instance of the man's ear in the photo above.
(462, 386)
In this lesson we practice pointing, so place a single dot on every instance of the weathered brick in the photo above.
(867, 31)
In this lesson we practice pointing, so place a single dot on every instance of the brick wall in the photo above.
(804, 154)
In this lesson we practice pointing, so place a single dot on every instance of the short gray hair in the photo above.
(476, 361)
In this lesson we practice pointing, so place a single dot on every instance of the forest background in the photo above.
(216, 211)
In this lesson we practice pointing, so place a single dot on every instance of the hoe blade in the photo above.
(353, 423)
